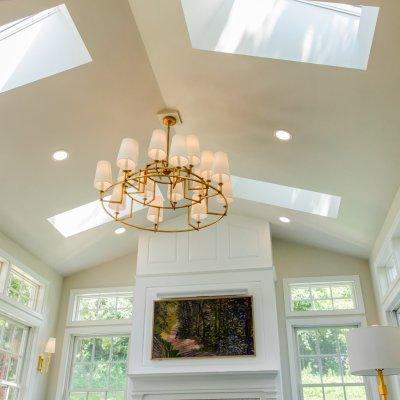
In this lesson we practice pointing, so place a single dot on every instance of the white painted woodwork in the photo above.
(232, 257)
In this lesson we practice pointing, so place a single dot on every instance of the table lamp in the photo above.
(375, 351)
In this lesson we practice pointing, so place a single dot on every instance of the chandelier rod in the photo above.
(169, 121)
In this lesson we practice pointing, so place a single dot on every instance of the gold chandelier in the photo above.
(198, 183)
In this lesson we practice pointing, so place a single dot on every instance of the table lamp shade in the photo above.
(374, 348)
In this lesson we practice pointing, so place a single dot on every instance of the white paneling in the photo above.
(243, 241)
(234, 243)
(203, 245)
(162, 248)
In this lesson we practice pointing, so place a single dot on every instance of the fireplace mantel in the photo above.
(232, 257)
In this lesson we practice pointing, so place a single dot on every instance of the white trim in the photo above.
(293, 323)
(72, 303)
(354, 279)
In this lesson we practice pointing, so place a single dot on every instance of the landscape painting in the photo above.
(203, 327)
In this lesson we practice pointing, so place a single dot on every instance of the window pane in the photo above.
(310, 373)
(22, 289)
(99, 368)
(312, 393)
(104, 307)
(322, 297)
(356, 393)
(12, 351)
(323, 362)
(334, 393)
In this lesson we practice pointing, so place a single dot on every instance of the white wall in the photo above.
(20, 257)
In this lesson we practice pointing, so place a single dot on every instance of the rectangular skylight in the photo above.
(325, 205)
(308, 31)
(39, 46)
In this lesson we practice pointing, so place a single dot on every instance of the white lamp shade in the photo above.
(175, 194)
(178, 152)
(206, 164)
(227, 191)
(220, 170)
(372, 348)
(117, 201)
(193, 149)
(158, 145)
(121, 176)
(128, 154)
(198, 211)
(103, 176)
(50, 346)
(154, 214)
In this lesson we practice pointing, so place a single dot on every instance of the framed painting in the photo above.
(220, 326)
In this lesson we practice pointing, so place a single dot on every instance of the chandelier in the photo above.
(178, 179)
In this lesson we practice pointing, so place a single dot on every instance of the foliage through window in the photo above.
(99, 368)
(322, 296)
(324, 366)
(22, 289)
(104, 307)
(13, 338)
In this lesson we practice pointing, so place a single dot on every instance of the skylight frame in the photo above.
(338, 7)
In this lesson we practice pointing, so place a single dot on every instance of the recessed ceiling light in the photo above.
(283, 135)
(60, 155)
(285, 220)
(119, 231)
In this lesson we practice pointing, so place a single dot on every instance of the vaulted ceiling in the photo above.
(345, 124)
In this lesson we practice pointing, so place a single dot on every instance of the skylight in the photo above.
(91, 215)
(39, 46)
(307, 201)
(308, 31)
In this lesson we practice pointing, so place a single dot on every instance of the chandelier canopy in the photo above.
(178, 178)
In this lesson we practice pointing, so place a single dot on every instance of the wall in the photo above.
(119, 272)
(290, 259)
(19, 256)
(293, 260)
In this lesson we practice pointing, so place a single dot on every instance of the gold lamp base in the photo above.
(382, 388)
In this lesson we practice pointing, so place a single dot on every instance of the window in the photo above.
(323, 296)
(13, 339)
(22, 288)
(388, 273)
(323, 365)
(99, 368)
(103, 306)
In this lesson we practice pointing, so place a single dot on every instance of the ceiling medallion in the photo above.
(177, 179)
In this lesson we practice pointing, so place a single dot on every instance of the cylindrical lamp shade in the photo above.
(175, 194)
(193, 149)
(103, 176)
(372, 348)
(149, 190)
(198, 211)
(158, 145)
(156, 214)
(128, 154)
(50, 346)
(206, 164)
(220, 170)
(227, 191)
(117, 201)
(178, 152)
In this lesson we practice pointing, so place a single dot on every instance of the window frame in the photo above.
(297, 323)
(354, 279)
(37, 311)
(73, 303)
(88, 328)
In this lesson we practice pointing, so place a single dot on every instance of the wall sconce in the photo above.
(44, 361)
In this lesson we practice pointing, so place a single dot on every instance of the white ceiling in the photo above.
(345, 125)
